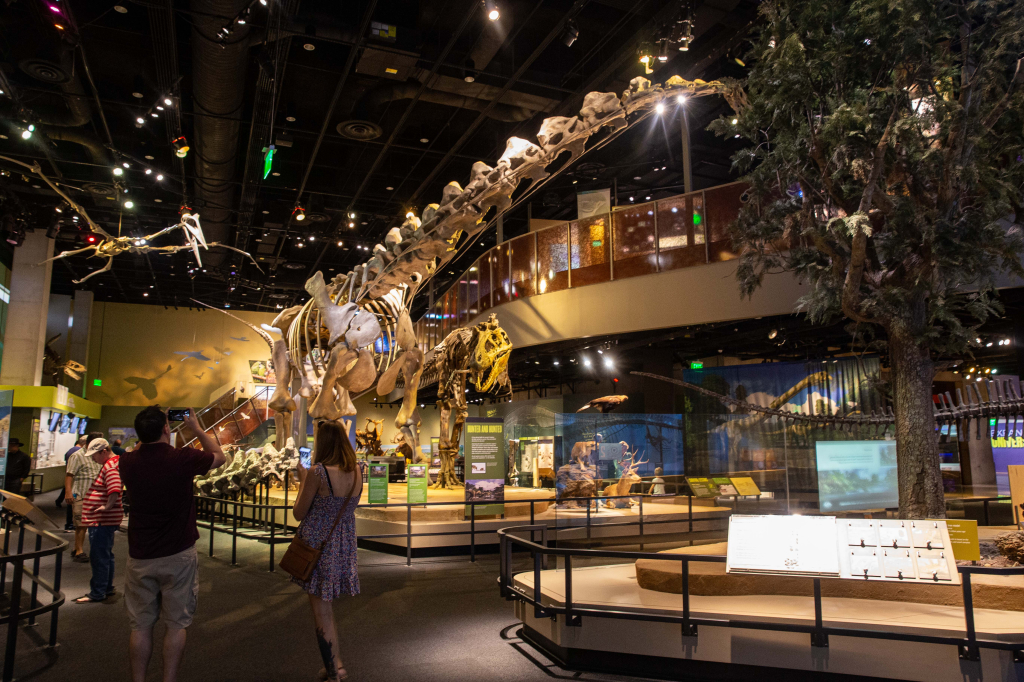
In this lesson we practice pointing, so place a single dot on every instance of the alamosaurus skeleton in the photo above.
(335, 331)
(1003, 402)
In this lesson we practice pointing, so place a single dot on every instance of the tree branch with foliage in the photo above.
(887, 171)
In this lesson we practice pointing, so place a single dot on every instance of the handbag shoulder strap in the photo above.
(341, 512)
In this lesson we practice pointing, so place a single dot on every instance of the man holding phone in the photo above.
(162, 576)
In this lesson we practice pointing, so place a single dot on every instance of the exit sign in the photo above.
(97, 382)
(696, 364)
(268, 160)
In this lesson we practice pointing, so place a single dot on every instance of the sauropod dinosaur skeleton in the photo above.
(1004, 401)
(335, 329)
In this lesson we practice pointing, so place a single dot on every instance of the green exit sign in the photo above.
(97, 382)
(696, 364)
(268, 160)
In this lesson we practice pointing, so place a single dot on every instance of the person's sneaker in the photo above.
(81, 558)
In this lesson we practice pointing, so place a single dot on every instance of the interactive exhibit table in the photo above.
(886, 576)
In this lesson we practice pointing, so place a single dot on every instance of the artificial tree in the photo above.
(886, 171)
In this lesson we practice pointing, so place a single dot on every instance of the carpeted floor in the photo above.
(439, 620)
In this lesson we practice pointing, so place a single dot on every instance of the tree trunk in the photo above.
(917, 452)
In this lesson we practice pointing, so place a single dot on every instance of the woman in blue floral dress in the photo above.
(331, 486)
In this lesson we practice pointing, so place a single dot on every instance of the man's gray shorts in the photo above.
(162, 589)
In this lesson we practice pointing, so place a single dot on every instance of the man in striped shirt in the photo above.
(101, 514)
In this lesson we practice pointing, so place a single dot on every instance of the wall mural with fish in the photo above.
(143, 355)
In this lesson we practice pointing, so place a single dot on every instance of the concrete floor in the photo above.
(439, 620)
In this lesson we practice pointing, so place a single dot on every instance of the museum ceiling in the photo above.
(360, 135)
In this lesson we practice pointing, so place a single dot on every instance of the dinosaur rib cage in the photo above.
(1003, 402)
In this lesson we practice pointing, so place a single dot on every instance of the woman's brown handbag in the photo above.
(300, 559)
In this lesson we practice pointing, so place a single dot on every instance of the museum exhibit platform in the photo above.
(620, 644)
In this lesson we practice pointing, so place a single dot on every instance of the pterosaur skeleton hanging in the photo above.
(335, 331)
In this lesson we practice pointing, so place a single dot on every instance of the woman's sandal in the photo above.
(89, 600)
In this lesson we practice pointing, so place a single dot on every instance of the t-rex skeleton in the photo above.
(335, 329)
(1004, 402)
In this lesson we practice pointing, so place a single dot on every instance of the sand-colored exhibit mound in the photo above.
(709, 579)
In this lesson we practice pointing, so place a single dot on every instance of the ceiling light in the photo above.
(154, 114)
(681, 99)
(149, 156)
(659, 108)
(140, 120)
(299, 213)
(126, 165)
(290, 119)
(159, 201)
(390, 189)
(586, 362)
(410, 214)
(339, 243)
(608, 363)
(773, 333)
(181, 147)
(159, 177)
(570, 33)
(312, 238)
(351, 224)
(149, 171)
(120, 9)
(117, 171)
(351, 215)
(129, 204)
(167, 101)
(491, 7)
(309, 47)
(735, 121)
(137, 95)
(26, 134)
(146, 293)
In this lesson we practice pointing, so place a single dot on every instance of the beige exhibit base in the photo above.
(710, 579)
(646, 647)
(452, 519)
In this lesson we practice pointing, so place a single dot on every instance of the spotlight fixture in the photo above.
(608, 363)
(773, 333)
(126, 164)
(570, 33)
(491, 8)
(129, 204)
(167, 101)
(681, 99)
(149, 171)
(663, 55)
(659, 108)
(181, 147)
(27, 132)
(159, 177)
(352, 215)
(154, 114)
(299, 213)
(351, 224)
(117, 171)
(586, 362)
(140, 120)
(409, 214)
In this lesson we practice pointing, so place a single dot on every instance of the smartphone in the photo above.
(306, 457)
(177, 415)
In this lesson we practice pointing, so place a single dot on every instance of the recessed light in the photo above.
(3, 137)
(149, 156)
(266, 212)
(159, 201)
(424, 140)
(137, 95)
(390, 189)
(309, 47)
(120, 9)
(290, 119)
(276, 174)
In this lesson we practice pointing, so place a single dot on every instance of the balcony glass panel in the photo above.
(552, 259)
(722, 206)
(589, 254)
(499, 274)
(634, 241)
(681, 232)
(523, 278)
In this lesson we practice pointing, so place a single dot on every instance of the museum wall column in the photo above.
(58, 324)
(78, 343)
(25, 337)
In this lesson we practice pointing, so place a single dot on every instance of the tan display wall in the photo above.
(133, 349)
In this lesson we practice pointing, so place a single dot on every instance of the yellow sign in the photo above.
(963, 536)
(55, 398)
(745, 486)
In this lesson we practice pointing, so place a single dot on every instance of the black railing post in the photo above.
(689, 510)
(212, 519)
(538, 612)
(689, 629)
(588, 518)
(408, 533)
(574, 621)
(271, 548)
(57, 564)
(641, 522)
(818, 637)
(234, 534)
(472, 532)
(35, 578)
(12, 625)
(502, 549)
(970, 651)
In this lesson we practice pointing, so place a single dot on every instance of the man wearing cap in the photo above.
(83, 467)
(19, 465)
(102, 515)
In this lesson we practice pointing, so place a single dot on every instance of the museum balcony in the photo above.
(654, 265)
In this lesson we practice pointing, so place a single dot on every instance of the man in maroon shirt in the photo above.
(162, 576)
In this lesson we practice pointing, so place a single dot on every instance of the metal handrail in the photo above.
(234, 518)
(968, 646)
(15, 613)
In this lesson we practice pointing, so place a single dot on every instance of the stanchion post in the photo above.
(818, 637)
(408, 533)
(57, 564)
(12, 624)
(271, 548)
(970, 651)
(689, 629)
(234, 535)
(472, 532)
(641, 522)
(35, 572)
(588, 517)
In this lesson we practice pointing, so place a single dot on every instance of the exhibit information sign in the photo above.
(803, 545)
(963, 538)
(856, 475)
(862, 549)
(701, 487)
(378, 488)
(724, 485)
(484, 442)
(1016, 474)
(416, 478)
(745, 485)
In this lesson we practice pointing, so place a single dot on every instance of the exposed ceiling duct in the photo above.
(64, 76)
(218, 87)
(98, 153)
(490, 40)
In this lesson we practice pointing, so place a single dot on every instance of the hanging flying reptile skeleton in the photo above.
(110, 246)
(1003, 402)
(335, 332)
